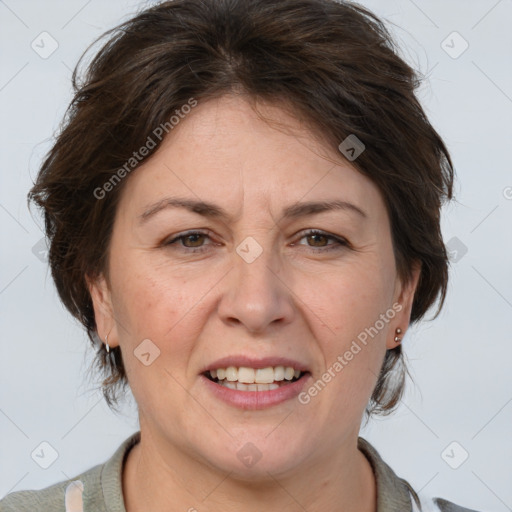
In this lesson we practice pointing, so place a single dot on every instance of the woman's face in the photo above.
(242, 282)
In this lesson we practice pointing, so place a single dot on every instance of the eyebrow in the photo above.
(211, 210)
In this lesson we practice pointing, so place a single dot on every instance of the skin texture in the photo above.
(294, 300)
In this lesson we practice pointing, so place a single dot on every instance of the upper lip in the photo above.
(250, 362)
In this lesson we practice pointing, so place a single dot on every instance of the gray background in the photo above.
(460, 362)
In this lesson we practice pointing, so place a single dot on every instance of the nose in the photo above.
(256, 294)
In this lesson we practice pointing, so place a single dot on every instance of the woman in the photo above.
(243, 210)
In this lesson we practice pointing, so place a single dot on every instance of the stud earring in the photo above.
(398, 331)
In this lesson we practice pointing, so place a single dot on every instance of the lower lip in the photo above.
(256, 399)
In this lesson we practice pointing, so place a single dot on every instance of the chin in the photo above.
(258, 456)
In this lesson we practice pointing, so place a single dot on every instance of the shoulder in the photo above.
(98, 489)
(396, 494)
(448, 506)
(58, 497)
(437, 505)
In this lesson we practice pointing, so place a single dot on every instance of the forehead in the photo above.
(224, 152)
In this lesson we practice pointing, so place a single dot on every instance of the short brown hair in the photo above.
(333, 62)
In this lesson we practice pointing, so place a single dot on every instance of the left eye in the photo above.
(319, 236)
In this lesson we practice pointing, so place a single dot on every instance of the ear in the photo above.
(404, 296)
(103, 309)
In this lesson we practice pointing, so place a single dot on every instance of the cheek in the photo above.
(346, 309)
(349, 300)
(155, 306)
(148, 300)
(163, 305)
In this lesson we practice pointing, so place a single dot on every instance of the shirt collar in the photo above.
(392, 492)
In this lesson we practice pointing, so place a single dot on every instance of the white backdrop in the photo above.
(460, 362)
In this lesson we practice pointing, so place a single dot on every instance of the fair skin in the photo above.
(292, 301)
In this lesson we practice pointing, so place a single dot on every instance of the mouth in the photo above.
(251, 383)
(249, 379)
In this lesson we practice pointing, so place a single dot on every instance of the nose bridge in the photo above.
(256, 296)
(256, 263)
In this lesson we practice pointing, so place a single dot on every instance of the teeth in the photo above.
(231, 373)
(264, 375)
(289, 372)
(279, 373)
(246, 375)
(250, 379)
(239, 386)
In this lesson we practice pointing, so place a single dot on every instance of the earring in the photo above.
(397, 332)
(110, 354)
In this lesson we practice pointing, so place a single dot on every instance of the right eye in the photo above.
(191, 237)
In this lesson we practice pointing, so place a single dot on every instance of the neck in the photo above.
(163, 480)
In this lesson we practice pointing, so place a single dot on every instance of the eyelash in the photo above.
(340, 242)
